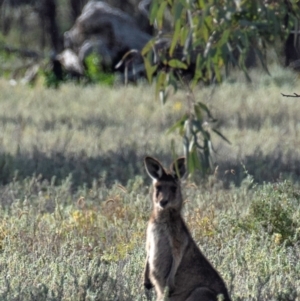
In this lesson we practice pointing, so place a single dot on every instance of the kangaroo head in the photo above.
(166, 184)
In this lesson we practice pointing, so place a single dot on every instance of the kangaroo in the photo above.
(174, 262)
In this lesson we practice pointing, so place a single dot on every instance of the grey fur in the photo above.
(174, 263)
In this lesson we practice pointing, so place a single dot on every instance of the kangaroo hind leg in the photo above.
(202, 294)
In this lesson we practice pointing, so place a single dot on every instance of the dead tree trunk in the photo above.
(47, 14)
(76, 8)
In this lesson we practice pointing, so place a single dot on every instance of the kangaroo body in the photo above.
(173, 259)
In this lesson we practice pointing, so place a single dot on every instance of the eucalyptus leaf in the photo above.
(160, 14)
(174, 63)
(175, 37)
(221, 135)
(179, 124)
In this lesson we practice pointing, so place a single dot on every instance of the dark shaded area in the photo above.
(263, 168)
(119, 166)
(292, 43)
(76, 8)
(125, 164)
(47, 11)
(47, 15)
(291, 50)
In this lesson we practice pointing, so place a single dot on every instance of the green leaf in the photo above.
(221, 135)
(198, 112)
(175, 37)
(161, 84)
(184, 32)
(198, 72)
(208, 26)
(193, 162)
(217, 73)
(177, 64)
(224, 38)
(153, 11)
(178, 125)
(160, 14)
(178, 7)
(149, 69)
(201, 3)
(173, 81)
(160, 89)
(149, 46)
(206, 109)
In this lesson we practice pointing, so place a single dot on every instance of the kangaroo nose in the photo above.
(163, 203)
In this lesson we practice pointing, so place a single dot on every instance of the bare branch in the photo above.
(286, 95)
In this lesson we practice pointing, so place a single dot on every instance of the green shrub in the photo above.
(95, 73)
(275, 210)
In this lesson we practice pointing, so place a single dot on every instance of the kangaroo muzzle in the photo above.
(163, 203)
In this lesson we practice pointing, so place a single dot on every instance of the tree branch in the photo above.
(286, 95)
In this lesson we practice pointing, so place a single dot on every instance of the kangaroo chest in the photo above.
(160, 251)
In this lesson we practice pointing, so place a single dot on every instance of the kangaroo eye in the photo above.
(173, 189)
(158, 188)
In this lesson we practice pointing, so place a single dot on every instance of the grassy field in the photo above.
(75, 196)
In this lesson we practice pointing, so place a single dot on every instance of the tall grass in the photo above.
(92, 131)
(89, 245)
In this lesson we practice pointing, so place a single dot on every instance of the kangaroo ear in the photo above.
(154, 168)
(178, 168)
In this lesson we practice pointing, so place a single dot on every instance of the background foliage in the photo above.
(195, 41)
(206, 40)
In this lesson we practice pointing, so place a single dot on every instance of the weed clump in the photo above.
(275, 210)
